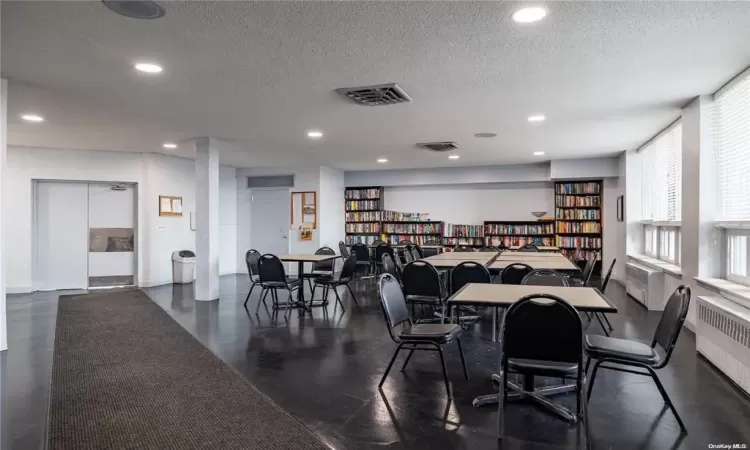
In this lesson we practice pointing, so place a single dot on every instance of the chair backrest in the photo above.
(542, 327)
(324, 265)
(348, 269)
(408, 257)
(514, 273)
(251, 260)
(361, 252)
(430, 251)
(502, 246)
(404, 242)
(489, 248)
(271, 269)
(588, 269)
(544, 277)
(606, 277)
(383, 249)
(670, 323)
(378, 242)
(415, 254)
(419, 250)
(343, 250)
(393, 302)
(468, 272)
(528, 247)
(463, 248)
(390, 267)
(422, 279)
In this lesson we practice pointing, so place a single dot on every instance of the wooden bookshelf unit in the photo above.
(363, 214)
(578, 220)
(468, 235)
(417, 231)
(513, 232)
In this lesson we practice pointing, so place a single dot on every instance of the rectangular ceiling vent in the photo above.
(377, 95)
(438, 146)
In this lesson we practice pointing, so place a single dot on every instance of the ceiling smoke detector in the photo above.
(376, 95)
(438, 146)
(135, 9)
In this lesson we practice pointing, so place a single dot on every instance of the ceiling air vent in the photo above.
(377, 95)
(438, 146)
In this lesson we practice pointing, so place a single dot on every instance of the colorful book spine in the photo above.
(578, 188)
(546, 228)
(579, 227)
(570, 201)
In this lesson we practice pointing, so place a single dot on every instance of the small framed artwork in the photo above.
(304, 210)
(170, 206)
(620, 208)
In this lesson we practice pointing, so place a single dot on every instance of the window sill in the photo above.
(657, 264)
(735, 292)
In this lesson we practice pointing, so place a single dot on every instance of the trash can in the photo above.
(183, 267)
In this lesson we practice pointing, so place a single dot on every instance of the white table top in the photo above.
(524, 255)
(460, 255)
(504, 295)
(537, 263)
(307, 258)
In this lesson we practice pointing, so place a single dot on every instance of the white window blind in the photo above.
(732, 149)
(661, 176)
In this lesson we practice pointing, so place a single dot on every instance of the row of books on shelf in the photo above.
(395, 216)
(358, 205)
(509, 241)
(412, 228)
(473, 241)
(578, 188)
(579, 227)
(354, 239)
(394, 239)
(366, 227)
(580, 255)
(370, 216)
(541, 228)
(579, 242)
(573, 201)
(453, 230)
(357, 194)
(577, 214)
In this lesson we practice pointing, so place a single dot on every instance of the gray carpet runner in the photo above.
(125, 375)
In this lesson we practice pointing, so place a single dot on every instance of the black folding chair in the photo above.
(362, 254)
(429, 337)
(544, 277)
(514, 273)
(343, 250)
(333, 281)
(463, 274)
(602, 288)
(489, 249)
(542, 335)
(272, 278)
(320, 268)
(422, 286)
(418, 249)
(463, 248)
(626, 353)
(390, 267)
(251, 260)
(528, 247)
(381, 250)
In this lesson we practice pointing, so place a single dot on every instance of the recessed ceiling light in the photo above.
(530, 14)
(538, 153)
(147, 67)
(453, 157)
(536, 118)
(382, 160)
(314, 134)
(169, 145)
(485, 135)
(32, 118)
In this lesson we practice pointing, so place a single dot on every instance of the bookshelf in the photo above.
(363, 214)
(578, 220)
(471, 235)
(397, 227)
(508, 233)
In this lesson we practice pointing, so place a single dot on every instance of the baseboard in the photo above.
(18, 290)
(148, 284)
(689, 326)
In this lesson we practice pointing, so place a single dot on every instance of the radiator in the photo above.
(723, 337)
(646, 285)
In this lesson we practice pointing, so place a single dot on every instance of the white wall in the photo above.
(584, 168)
(3, 196)
(621, 227)
(613, 234)
(243, 222)
(449, 175)
(228, 221)
(155, 174)
(331, 211)
(473, 204)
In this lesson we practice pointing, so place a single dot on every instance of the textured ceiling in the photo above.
(259, 75)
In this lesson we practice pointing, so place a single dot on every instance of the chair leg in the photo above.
(406, 361)
(288, 313)
(338, 299)
(588, 363)
(390, 364)
(666, 398)
(501, 406)
(463, 361)
(249, 293)
(604, 316)
(593, 377)
(263, 294)
(354, 299)
(605, 329)
(445, 371)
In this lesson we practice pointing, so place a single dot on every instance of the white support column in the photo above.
(206, 219)
(3, 151)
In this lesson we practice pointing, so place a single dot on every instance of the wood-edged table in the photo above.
(442, 261)
(502, 296)
(301, 259)
(560, 264)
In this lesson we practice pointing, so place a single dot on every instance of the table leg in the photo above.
(494, 325)
(301, 290)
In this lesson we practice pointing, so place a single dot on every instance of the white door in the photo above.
(269, 220)
(62, 249)
(112, 234)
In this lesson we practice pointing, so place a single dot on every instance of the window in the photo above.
(736, 264)
(651, 241)
(669, 244)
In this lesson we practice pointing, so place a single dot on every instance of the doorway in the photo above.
(269, 220)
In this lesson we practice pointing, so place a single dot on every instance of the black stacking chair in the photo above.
(625, 353)
(514, 273)
(545, 277)
(528, 247)
(603, 287)
(251, 260)
(362, 254)
(463, 248)
(430, 337)
(390, 267)
(272, 278)
(489, 248)
(343, 250)
(468, 272)
(380, 250)
(542, 339)
(419, 250)
(415, 254)
(408, 257)
(422, 286)
(404, 242)
(321, 268)
(588, 270)
(431, 251)
(333, 281)
(378, 242)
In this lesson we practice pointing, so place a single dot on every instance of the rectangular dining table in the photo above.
(561, 263)
(301, 259)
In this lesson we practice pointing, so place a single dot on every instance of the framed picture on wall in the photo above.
(170, 206)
